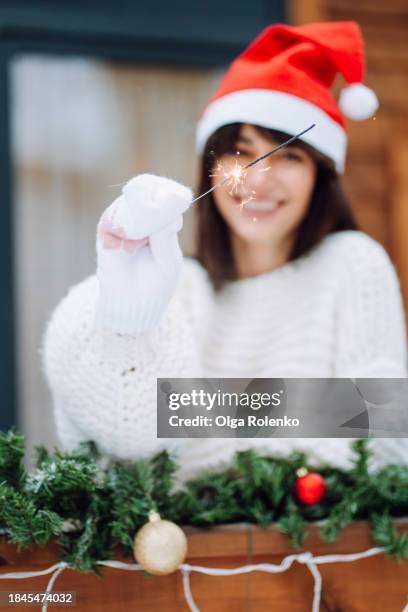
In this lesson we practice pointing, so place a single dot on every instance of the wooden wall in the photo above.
(376, 176)
(375, 584)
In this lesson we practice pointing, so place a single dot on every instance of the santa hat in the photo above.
(282, 81)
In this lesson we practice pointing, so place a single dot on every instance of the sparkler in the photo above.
(236, 175)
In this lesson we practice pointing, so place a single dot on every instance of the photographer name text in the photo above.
(249, 420)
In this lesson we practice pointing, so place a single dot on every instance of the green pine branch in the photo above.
(107, 505)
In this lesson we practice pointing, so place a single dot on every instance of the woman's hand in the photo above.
(148, 205)
(139, 258)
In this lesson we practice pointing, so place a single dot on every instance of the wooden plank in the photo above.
(366, 139)
(222, 541)
(300, 12)
(226, 540)
(368, 7)
(375, 584)
(398, 203)
(378, 580)
(291, 590)
(366, 185)
(391, 87)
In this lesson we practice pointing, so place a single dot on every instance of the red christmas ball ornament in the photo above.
(309, 487)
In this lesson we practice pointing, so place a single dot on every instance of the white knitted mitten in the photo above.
(139, 258)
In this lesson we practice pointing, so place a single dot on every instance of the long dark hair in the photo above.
(329, 209)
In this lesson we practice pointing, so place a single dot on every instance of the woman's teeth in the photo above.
(262, 206)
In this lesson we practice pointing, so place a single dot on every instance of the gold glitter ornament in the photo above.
(160, 546)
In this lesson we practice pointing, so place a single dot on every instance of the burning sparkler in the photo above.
(232, 176)
(235, 175)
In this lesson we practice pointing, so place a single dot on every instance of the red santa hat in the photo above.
(282, 81)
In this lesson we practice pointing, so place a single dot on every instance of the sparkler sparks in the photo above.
(235, 175)
(232, 176)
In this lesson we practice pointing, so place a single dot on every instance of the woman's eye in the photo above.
(241, 153)
(291, 156)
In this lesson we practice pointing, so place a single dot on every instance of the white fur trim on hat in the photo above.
(279, 111)
(358, 102)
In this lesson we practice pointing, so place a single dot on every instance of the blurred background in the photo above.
(93, 93)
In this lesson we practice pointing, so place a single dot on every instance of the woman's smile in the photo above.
(261, 208)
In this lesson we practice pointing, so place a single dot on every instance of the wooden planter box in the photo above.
(376, 584)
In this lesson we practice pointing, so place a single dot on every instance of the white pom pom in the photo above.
(358, 102)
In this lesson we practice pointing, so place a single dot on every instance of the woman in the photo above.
(283, 286)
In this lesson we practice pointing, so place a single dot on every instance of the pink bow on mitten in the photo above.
(115, 238)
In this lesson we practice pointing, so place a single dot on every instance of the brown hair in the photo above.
(329, 209)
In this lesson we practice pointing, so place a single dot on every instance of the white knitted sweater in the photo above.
(336, 312)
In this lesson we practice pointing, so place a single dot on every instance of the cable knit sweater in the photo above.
(335, 312)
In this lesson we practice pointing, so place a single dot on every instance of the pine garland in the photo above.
(106, 505)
